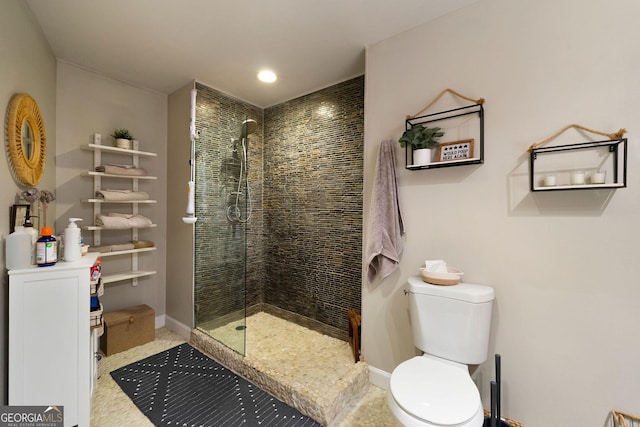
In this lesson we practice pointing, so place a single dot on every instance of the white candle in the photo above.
(549, 180)
(597, 178)
(577, 178)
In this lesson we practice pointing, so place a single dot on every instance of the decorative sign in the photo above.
(457, 150)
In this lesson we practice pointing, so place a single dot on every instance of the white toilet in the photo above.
(450, 325)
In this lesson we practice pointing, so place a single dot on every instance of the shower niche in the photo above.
(117, 188)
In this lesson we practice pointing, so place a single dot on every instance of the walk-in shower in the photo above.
(279, 211)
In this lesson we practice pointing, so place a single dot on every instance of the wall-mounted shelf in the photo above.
(464, 123)
(117, 201)
(125, 275)
(609, 158)
(110, 175)
(111, 149)
(99, 227)
(134, 153)
(126, 252)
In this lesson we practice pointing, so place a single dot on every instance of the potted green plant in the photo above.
(123, 138)
(421, 139)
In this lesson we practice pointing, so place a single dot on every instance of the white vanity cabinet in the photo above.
(50, 354)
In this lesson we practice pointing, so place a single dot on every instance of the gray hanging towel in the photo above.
(385, 230)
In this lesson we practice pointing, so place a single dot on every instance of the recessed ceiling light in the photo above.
(267, 76)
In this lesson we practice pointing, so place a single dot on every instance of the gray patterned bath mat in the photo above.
(183, 387)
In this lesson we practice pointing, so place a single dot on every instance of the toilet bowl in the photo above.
(450, 325)
(430, 391)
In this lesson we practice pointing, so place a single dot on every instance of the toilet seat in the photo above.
(435, 392)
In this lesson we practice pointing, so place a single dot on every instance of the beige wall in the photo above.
(26, 65)
(563, 264)
(89, 103)
(179, 234)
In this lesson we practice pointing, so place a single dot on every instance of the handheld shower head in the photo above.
(249, 126)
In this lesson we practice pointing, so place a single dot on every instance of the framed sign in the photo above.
(17, 216)
(457, 150)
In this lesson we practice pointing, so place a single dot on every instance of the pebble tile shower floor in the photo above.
(302, 364)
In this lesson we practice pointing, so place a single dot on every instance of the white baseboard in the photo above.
(179, 328)
(160, 321)
(379, 378)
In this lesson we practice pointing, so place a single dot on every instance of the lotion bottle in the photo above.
(72, 241)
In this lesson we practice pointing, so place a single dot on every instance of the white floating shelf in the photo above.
(112, 175)
(108, 148)
(125, 275)
(128, 251)
(99, 227)
(117, 201)
(578, 187)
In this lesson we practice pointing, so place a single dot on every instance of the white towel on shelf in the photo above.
(123, 220)
(385, 228)
(126, 170)
(121, 195)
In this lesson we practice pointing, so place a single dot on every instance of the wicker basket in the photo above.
(452, 277)
(620, 419)
(506, 420)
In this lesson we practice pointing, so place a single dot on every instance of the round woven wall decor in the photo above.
(26, 140)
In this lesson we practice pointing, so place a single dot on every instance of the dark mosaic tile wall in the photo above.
(221, 249)
(303, 251)
(313, 162)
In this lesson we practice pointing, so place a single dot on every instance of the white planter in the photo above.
(123, 143)
(422, 156)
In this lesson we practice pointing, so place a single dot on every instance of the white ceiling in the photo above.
(165, 44)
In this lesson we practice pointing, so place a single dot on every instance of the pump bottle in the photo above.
(28, 228)
(72, 241)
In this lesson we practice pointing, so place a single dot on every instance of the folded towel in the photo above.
(120, 220)
(121, 195)
(112, 221)
(138, 244)
(113, 169)
(112, 248)
(139, 221)
(385, 227)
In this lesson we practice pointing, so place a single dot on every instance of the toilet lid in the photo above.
(435, 390)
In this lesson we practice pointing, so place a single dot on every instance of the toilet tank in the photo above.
(451, 322)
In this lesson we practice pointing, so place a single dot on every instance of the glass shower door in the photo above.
(222, 209)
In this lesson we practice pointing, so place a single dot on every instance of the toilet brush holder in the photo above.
(493, 418)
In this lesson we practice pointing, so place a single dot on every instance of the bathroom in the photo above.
(563, 265)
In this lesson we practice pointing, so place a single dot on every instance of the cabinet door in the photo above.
(49, 353)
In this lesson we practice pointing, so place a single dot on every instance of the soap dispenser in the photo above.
(72, 240)
(28, 228)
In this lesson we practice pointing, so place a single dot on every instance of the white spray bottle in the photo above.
(72, 241)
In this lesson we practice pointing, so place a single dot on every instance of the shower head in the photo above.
(249, 126)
